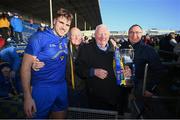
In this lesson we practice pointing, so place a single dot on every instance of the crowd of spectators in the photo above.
(12, 33)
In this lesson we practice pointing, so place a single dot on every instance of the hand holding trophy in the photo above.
(124, 66)
(127, 56)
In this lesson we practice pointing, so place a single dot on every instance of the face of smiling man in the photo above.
(102, 35)
(135, 34)
(75, 36)
(61, 25)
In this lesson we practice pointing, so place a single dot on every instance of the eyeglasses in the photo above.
(131, 32)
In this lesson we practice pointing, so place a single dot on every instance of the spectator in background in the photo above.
(31, 21)
(8, 54)
(85, 39)
(10, 15)
(4, 26)
(7, 87)
(172, 39)
(49, 88)
(166, 46)
(17, 25)
(178, 38)
(2, 41)
(148, 40)
(152, 42)
(168, 42)
(42, 26)
(177, 51)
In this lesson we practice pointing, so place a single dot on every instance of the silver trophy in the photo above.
(127, 56)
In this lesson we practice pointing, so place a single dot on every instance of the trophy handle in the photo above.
(132, 54)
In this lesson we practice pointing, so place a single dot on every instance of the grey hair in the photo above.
(99, 26)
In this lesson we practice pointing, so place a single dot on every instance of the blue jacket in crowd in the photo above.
(9, 54)
(17, 24)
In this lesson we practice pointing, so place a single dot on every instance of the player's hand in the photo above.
(37, 65)
(29, 107)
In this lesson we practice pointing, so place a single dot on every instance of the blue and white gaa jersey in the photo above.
(52, 50)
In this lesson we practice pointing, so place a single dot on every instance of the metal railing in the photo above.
(154, 98)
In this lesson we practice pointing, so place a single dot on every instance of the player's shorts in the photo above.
(49, 99)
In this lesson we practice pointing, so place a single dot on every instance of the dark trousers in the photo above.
(100, 103)
(78, 98)
(123, 99)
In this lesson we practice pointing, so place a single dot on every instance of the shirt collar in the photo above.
(103, 49)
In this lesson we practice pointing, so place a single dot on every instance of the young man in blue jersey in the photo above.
(76, 85)
(45, 90)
